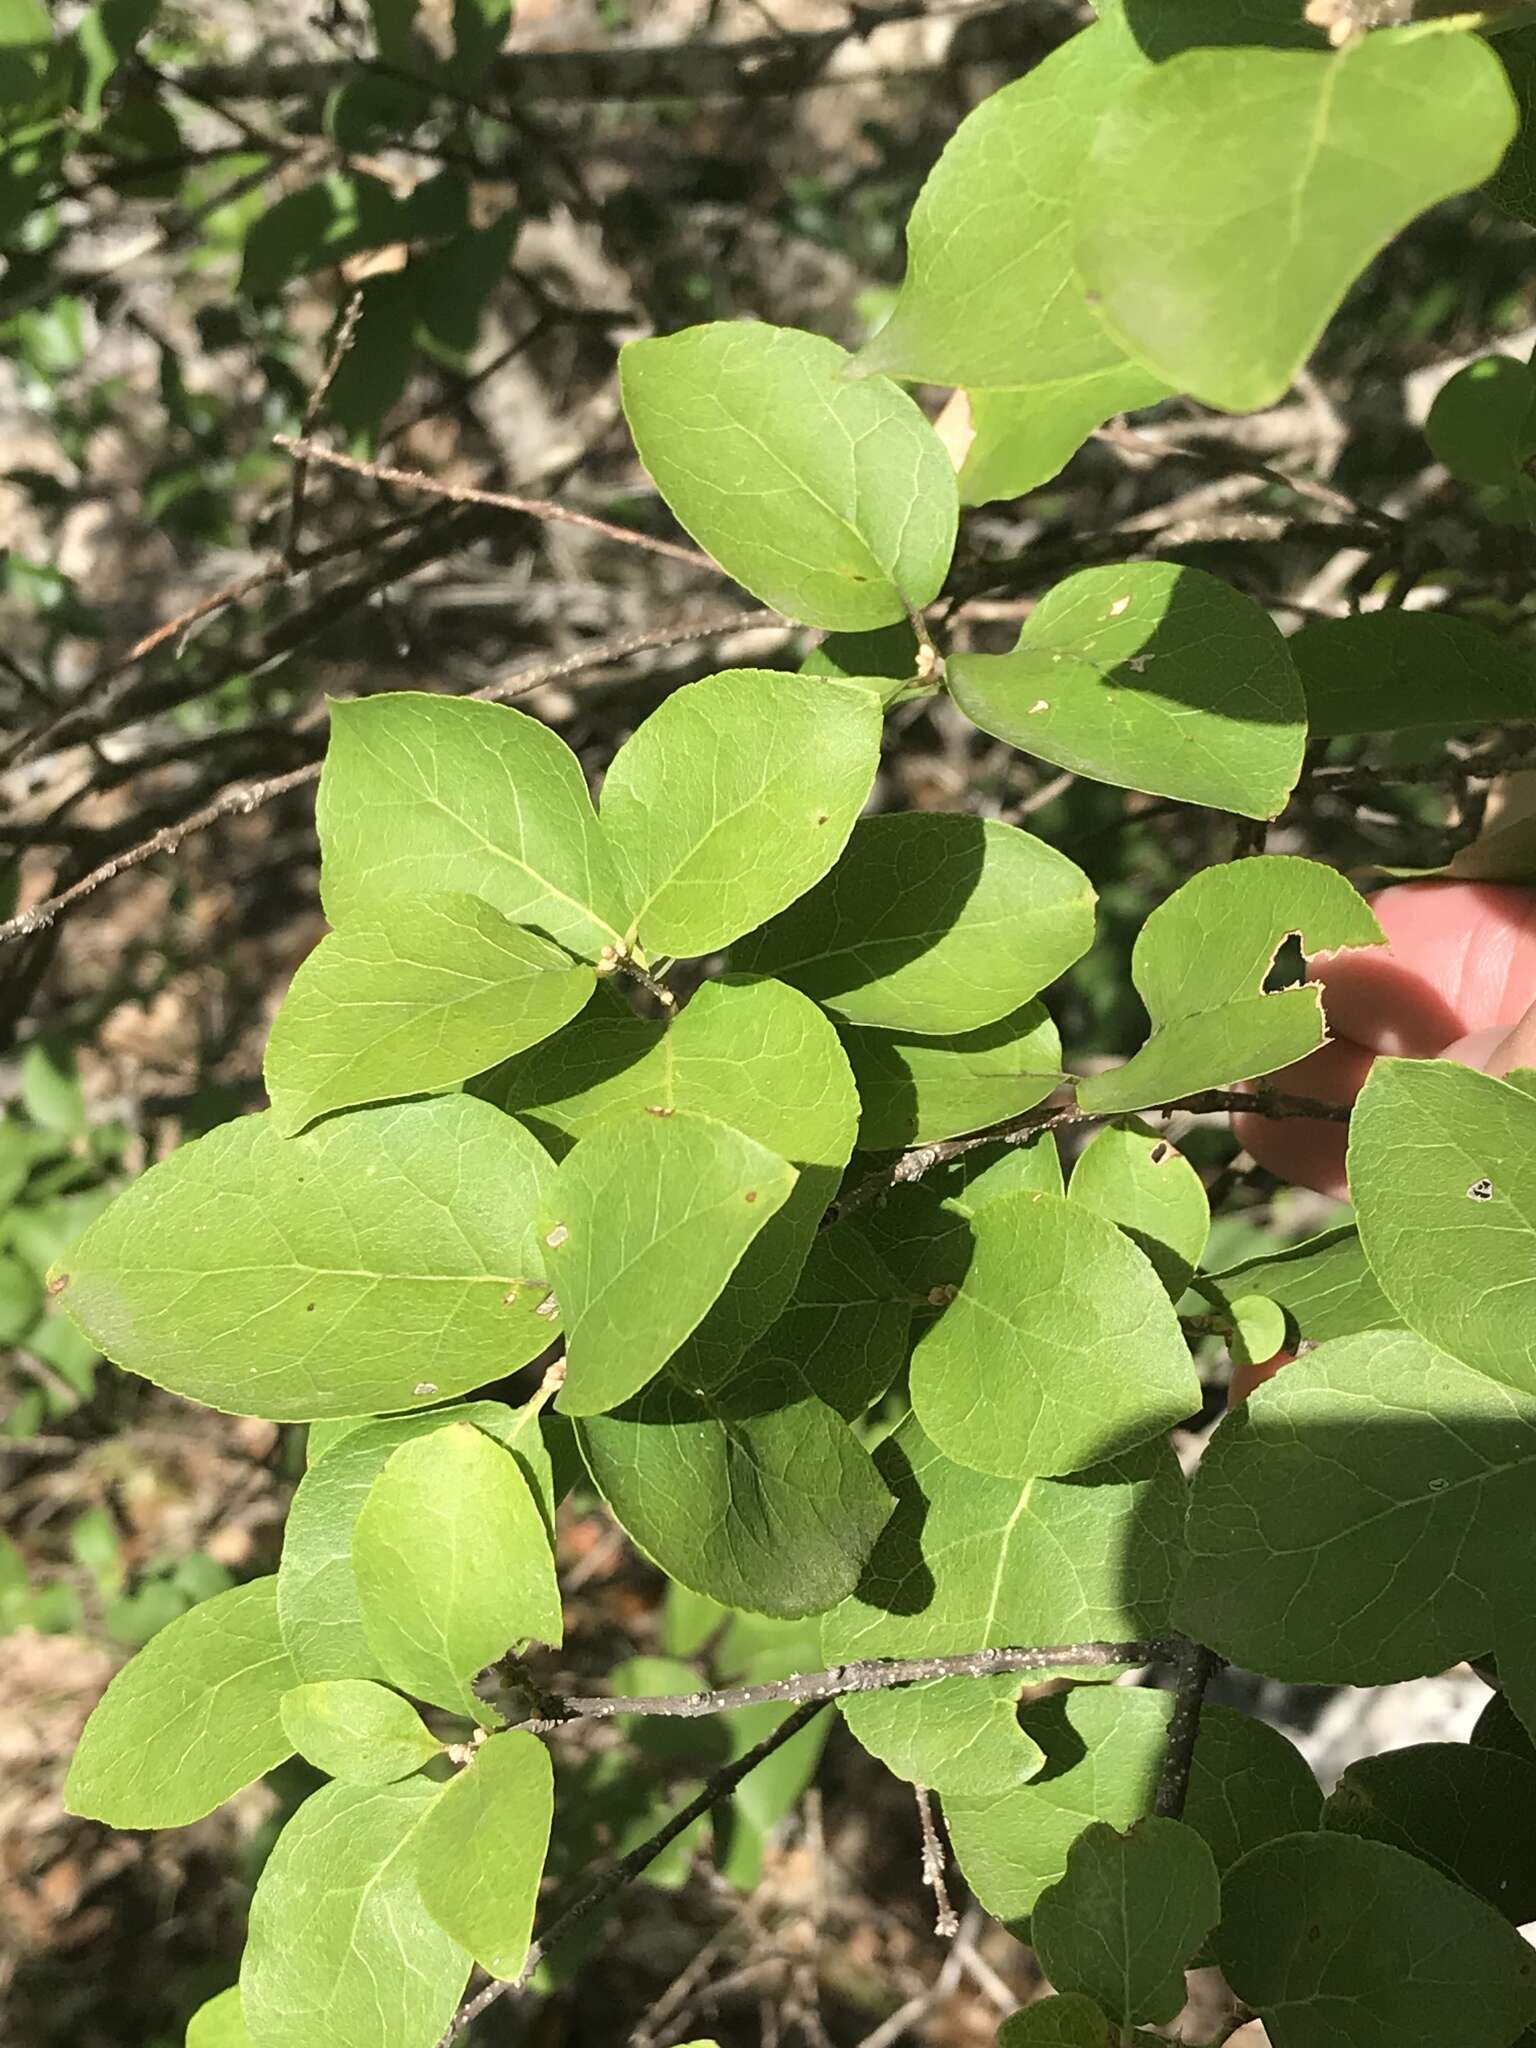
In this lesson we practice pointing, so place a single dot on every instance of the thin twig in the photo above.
(1036, 1123)
(346, 334)
(718, 1787)
(870, 1674)
(946, 1919)
(919, 2006)
(1197, 1667)
(243, 797)
(501, 501)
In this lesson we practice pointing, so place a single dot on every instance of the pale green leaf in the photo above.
(1231, 197)
(1323, 1284)
(1442, 1167)
(756, 1055)
(1151, 677)
(932, 922)
(1060, 1349)
(914, 1090)
(1067, 2021)
(441, 988)
(970, 1563)
(734, 798)
(1199, 965)
(341, 1948)
(1104, 1747)
(1413, 672)
(1127, 1916)
(425, 794)
(830, 499)
(480, 1851)
(192, 1718)
(453, 1564)
(352, 1728)
(1258, 1329)
(381, 1260)
(989, 296)
(1130, 1176)
(219, 2023)
(317, 1598)
(1466, 1808)
(1338, 1943)
(1024, 436)
(1352, 1519)
(643, 1225)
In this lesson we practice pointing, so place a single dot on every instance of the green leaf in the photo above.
(932, 922)
(757, 1056)
(1060, 1349)
(922, 1230)
(1468, 1810)
(341, 1948)
(885, 656)
(644, 1224)
(913, 1090)
(1480, 424)
(480, 1851)
(1258, 1329)
(440, 989)
(453, 1564)
(1351, 1520)
(1066, 2021)
(1221, 279)
(191, 1719)
(426, 794)
(1151, 677)
(970, 1563)
(1323, 1284)
(1163, 28)
(1025, 436)
(1127, 1916)
(317, 1597)
(219, 2023)
(1132, 1177)
(831, 500)
(708, 1475)
(1338, 1943)
(352, 1728)
(1104, 1748)
(1410, 672)
(318, 225)
(381, 1260)
(1199, 965)
(735, 797)
(1442, 1166)
(989, 298)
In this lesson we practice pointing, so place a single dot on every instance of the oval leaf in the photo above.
(453, 1565)
(1151, 677)
(643, 1226)
(831, 500)
(1467, 1808)
(1131, 1177)
(382, 1260)
(1060, 1349)
(913, 1091)
(352, 1728)
(1442, 1167)
(932, 923)
(441, 989)
(341, 1948)
(426, 794)
(734, 798)
(1336, 1943)
(195, 1716)
(1127, 1916)
(1221, 281)
(480, 1851)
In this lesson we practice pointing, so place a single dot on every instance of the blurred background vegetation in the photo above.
(420, 233)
